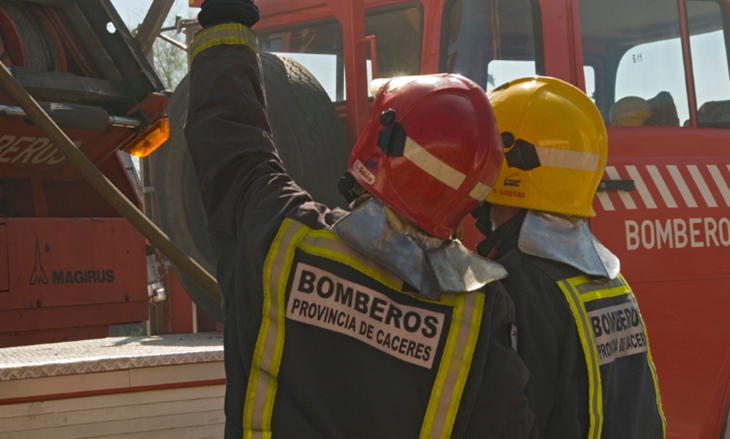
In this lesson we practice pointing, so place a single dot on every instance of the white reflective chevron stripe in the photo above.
(720, 182)
(702, 186)
(605, 201)
(625, 196)
(641, 187)
(662, 186)
(561, 158)
(682, 186)
(432, 165)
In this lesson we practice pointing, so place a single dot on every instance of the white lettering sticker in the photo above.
(364, 173)
(321, 299)
(30, 150)
(677, 233)
(618, 332)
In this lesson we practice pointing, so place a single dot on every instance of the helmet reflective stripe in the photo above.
(561, 158)
(440, 170)
(432, 165)
(480, 191)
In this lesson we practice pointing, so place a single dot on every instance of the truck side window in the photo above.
(589, 73)
(709, 62)
(636, 52)
(399, 35)
(490, 41)
(319, 46)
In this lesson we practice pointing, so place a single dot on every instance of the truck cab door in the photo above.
(658, 71)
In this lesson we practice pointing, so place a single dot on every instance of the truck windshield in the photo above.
(318, 46)
(635, 49)
(709, 62)
(490, 41)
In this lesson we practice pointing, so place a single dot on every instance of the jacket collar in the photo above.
(567, 239)
(429, 264)
(500, 241)
(560, 238)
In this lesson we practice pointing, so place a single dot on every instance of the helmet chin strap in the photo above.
(430, 264)
(349, 188)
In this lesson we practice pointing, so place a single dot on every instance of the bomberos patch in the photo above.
(618, 332)
(320, 298)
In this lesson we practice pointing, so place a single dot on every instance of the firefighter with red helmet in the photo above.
(371, 323)
(581, 334)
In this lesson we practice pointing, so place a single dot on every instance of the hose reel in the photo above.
(26, 35)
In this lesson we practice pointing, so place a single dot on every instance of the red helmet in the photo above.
(431, 150)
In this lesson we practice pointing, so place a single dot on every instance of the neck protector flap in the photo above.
(567, 239)
(431, 265)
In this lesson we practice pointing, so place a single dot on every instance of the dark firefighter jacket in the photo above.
(584, 343)
(321, 342)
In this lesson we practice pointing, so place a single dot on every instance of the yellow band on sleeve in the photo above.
(228, 34)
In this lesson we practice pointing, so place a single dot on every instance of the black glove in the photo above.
(481, 215)
(214, 12)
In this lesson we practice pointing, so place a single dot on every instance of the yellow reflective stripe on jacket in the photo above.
(326, 244)
(652, 368)
(262, 385)
(261, 390)
(455, 365)
(578, 291)
(595, 390)
(229, 33)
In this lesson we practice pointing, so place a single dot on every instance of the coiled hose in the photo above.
(39, 48)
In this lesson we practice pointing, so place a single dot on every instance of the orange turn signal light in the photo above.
(152, 138)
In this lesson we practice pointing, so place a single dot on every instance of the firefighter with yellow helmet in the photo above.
(580, 331)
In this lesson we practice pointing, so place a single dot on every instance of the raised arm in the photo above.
(243, 183)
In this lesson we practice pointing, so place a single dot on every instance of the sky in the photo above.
(133, 11)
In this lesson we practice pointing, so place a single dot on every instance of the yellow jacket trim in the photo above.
(430, 418)
(455, 365)
(261, 389)
(595, 389)
(226, 34)
(652, 368)
(326, 244)
(465, 364)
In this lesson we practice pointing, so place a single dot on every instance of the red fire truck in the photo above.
(70, 265)
(664, 204)
(656, 69)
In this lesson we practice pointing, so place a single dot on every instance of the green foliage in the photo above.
(170, 61)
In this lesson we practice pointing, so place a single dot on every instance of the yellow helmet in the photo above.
(555, 146)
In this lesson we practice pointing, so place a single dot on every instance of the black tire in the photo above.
(307, 130)
(308, 134)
